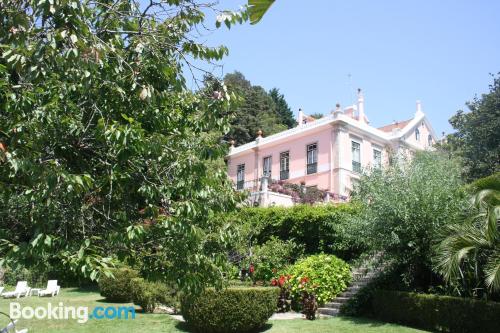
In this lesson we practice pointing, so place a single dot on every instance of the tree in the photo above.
(477, 136)
(282, 109)
(255, 111)
(317, 115)
(469, 251)
(105, 154)
(404, 206)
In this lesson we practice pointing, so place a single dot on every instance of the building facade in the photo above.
(327, 153)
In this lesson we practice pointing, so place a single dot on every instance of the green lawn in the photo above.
(156, 323)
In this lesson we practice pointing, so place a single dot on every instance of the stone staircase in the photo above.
(360, 277)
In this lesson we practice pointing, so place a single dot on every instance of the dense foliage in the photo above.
(118, 286)
(437, 313)
(477, 138)
(404, 206)
(104, 152)
(149, 295)
(270, 257)
(319, 228)
(257, 110)
(468, 254)
(229, 310)
(323, 275)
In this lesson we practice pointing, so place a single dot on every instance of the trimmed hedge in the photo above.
(118, 288)
(436, 313)
(320, 228)
(229, 310)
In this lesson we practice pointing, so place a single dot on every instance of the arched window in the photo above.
(429, 140)
(417, 135)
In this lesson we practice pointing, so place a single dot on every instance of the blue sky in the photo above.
(440, 52)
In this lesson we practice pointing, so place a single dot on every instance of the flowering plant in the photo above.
(308, 300)
(284, 299)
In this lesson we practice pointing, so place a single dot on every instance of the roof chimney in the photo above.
(419, 107)
(361, 107)
(300, 118)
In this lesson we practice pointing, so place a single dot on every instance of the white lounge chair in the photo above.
(52, 289)
(22, 289)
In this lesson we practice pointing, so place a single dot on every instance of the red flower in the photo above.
(281, 281)
(274, 282)
(305, 279)
(251, 269)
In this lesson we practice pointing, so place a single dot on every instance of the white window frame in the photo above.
(353, 161)
(285, 164)
(314, 158)
(267, 173)
(377, 163)
(240, 176)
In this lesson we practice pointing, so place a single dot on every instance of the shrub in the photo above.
(321, 228)
(270, 257)
(404, 206)
(491, 182)
(148, 295)
(118, 288)
(324, 275)
(229, 310)
(436, 313)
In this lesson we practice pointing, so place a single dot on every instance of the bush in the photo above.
(324, 275)
(148, 295)
(320, 228)
(405, 205)
(229, 310)
(270, 257)
(436, 313)
(118, 288)
(491, 182)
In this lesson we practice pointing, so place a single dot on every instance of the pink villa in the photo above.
(327, 153)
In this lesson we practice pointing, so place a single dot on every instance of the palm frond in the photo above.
(492, 271)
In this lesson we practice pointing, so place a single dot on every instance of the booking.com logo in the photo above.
(61, 312)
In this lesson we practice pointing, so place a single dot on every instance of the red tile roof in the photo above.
(397, 124)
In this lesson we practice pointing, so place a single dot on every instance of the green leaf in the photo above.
(257, 9)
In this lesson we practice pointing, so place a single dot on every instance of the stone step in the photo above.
(356, 286)
(333, 305)
(347, 294)
(329, 311)
(359, 283)
(340, 299)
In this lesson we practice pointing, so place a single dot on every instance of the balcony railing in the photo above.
(356, 166)
(312, 168)
(285, 174)
(250, 185)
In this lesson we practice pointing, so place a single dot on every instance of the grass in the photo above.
(156, 323)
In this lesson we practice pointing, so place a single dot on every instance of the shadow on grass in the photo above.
(363, 321)
(184, 327)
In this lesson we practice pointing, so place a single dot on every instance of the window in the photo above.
(417, 135)
(312, 158)
(284, 165)
(377, 158)
(266, 169)
(356, 156)
(240, 177)
(429, 140)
